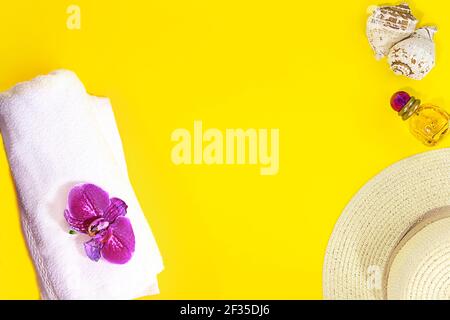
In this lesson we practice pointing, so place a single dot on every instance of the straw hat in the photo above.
(393, 239)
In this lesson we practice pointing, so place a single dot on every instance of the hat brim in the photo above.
(377, 219)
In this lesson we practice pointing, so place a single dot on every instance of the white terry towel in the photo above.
(56, 136)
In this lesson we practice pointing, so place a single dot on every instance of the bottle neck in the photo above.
(410, 108)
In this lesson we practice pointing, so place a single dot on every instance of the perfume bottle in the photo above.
(427, 122)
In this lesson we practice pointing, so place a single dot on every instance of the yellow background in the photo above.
(305, 68)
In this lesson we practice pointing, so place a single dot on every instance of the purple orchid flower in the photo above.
(91, 211)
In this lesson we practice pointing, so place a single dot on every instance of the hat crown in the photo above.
(420, 267)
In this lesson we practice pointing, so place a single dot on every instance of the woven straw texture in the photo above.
(363, 247)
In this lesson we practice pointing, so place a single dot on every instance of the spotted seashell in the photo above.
(388, 25)
(414, 57)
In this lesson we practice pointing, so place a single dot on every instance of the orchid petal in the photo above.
(77, 225)
(119, 245)
(116, 208)
(93, 249)
(85, 203)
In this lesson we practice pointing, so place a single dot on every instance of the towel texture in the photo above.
(56, 136)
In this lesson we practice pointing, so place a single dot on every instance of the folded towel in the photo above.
(57, 136)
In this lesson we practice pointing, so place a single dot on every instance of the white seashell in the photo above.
(388, 25)
(414, 57)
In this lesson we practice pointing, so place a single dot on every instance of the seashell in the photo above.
(414, 57)
(388, 25)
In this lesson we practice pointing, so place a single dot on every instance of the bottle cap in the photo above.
(404, 104)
